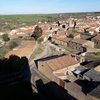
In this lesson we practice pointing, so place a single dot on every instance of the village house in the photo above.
(79, 71)
(60, 39)
(90, 64)
(97, 29)
(22, 30)
(76, 35)
(93, 74)
(45, 27)
(91, 25)
(96, 40)
(94, 94)
(80, 29)
(86, 36)
(91, 68)
(56, 68)
(75, 90)
(90, 30)
(87, 84)
(89, 90)
(80, 44)
(72, 32)
(48, 31)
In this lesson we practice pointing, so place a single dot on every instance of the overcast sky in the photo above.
(47, 6)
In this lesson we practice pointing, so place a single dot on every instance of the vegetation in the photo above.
(27, 38)
(1, 56)
(9, 22)
(98, 46)
(12, 44)
(53, 49)
(20, 37)
(8, 47)
(38, 51)
(71, 36)
(37, 33)
(93, 56)
(0, 37)
(4, 50)
(40, 40)
(5, 37)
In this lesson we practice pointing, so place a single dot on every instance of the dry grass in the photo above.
(25, 49)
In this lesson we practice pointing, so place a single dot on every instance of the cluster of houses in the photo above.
(22, 30)
(77, 34)
(70, 37)
(67, 70)
(73, 72)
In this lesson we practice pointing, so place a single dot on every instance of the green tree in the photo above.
(12, 44)
(37, 33)
(5, 37)
(71, 36)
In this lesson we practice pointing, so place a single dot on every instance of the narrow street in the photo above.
(45, 53)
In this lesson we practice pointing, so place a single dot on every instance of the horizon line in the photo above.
(52, 13)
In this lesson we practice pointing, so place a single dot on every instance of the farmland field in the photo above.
(9, 22)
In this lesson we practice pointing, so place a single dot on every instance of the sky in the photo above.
(48, 6)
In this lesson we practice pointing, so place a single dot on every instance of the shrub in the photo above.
(40, 40)
(5, 37)
(12, 44)
(20, 37)
(37, 33)
(71, 36)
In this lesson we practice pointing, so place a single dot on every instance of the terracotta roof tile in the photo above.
(80, 41)
(97, 37)
(61, 62)
(61, 37)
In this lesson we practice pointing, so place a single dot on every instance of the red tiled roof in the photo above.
(61, 62)
(80, 41)
(25, 31)
(61, 38)
(97, 37)
(59, 74)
